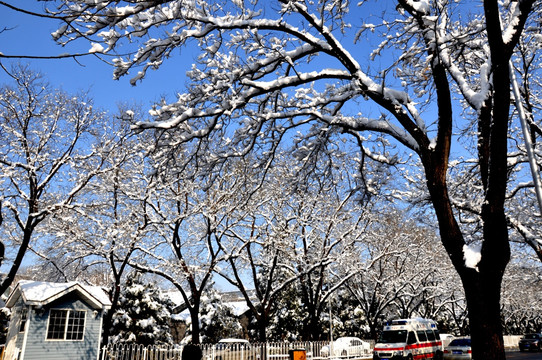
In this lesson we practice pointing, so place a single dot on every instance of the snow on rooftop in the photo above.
(238, 307)
(231, 299)
(174, 296)
(40, 292)
(183, 316)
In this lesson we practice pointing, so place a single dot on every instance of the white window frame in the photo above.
(24, 320)
(68, 312)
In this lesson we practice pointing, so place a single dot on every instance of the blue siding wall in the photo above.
(15, 322)
(38, 348)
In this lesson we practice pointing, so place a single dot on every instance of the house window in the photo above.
(24, 315)
(66, 325)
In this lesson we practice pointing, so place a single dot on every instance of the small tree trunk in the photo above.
(109, 314)
(262, 325)
(194, 315)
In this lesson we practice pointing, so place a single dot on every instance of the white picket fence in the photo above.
(140, 352)
(263, 351)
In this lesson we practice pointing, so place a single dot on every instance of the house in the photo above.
(55, 321)
(232, 299)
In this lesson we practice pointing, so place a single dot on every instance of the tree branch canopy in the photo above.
(424, 76)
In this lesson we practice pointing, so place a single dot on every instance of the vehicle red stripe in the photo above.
(415, 346)
(424, 345)
(423, 356)
(389, 349)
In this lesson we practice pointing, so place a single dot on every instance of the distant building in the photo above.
(233, 299)
(55, 321)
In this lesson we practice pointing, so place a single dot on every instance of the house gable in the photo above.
(42, 293)
(70, 300)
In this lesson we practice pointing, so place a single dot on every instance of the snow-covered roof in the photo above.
(174, 296)
(238, 307)
(42, 293)
(233, 341)
(233, 299)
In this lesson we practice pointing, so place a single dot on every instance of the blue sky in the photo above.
(28, 35)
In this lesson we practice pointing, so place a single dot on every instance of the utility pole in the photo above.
(330, 330)
(526, 135)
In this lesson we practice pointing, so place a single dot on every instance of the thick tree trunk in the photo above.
(195, 332)
(482, 284)
(483, 300)
(482, 291)
(314, 328)
(311, 331)
(483, 288)
(10, 277)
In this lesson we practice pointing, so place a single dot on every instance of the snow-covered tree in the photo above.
(406, 275)
(112, 218)
(185, 250)
(347, 317)
(286, 322)
(143, 315)
(218, 320)
(45, 161)
(5, 316)
(521, 299)
(289, 232)
(301, 70)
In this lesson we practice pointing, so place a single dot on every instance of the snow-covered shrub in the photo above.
(143, 316)
(217, 319)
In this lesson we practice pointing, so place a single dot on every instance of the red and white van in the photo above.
(409, 339)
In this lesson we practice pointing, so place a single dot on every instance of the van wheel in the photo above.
(438, 355)
(409, 357)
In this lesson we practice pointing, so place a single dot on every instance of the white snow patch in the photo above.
(421, 6)
(472, 255)
(96, 48)
(238, 307)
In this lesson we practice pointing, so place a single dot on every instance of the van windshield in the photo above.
(393, 336)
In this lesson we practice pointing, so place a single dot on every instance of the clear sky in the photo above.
(27, 35)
